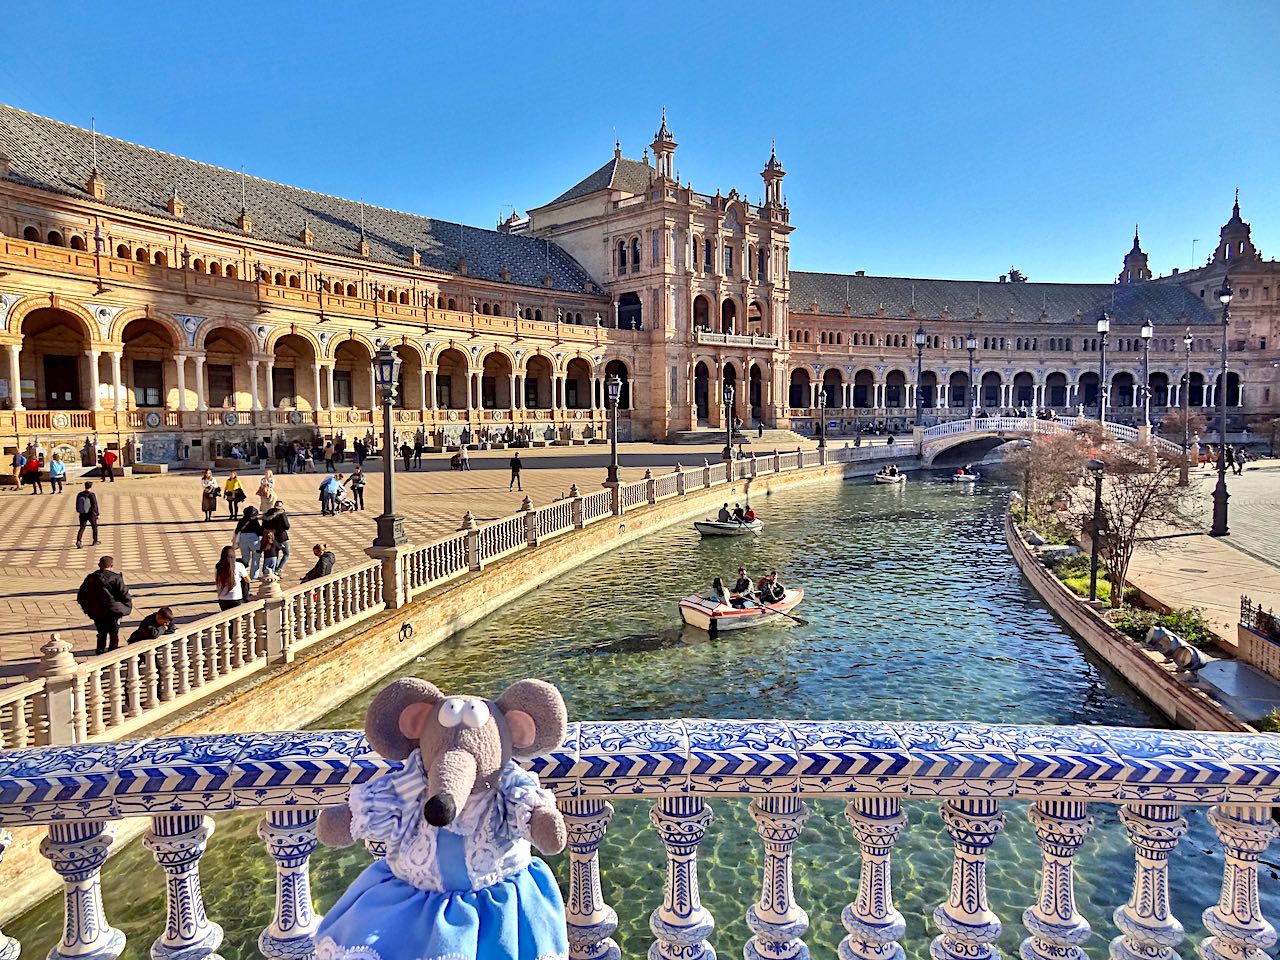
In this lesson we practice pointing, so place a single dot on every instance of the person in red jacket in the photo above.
(108, 465)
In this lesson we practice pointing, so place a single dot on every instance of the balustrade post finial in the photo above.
(1237, 929)
(681, 924)
(1148, 929)
(969, 926)
(526, 504)
(591, 922)
(290, 836)
(10, 949)
(777, 921)
(177, 841)
(1057, 929)
(77, 849)
(874, 924)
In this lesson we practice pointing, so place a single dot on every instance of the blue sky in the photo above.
(920, 139)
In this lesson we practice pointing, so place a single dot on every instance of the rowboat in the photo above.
(891, 478)
(714, 528)
(713, 617)
(965, 477)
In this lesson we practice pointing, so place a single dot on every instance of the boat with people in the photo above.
(965, 474)
(890, 474)
(714, 616)
(727, 528)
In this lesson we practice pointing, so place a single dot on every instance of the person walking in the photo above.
(330, 486)
(276, 520)
(248, 537)
(30, 476)
(406, 451)
(355, 483)
(231, 578)
(209, 493)
(1242, 457)
(269, 549)
(464, 462)
(57, 474)
(234, 492)
(417, 452)
(109, 459)
(324, 563)
(266, 491)
(340, 449)
(759, 428)
(87, 512)
(306, 461)
(18, 462)
(1229, 452)
(328, 456)
(105, 599)
(516, 466)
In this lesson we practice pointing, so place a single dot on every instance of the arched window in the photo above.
(484, 308)
(122, 252)
(232, 272)
(140, 255)
(635, 254)
(762, 266)
(708, 256)
(351, 292)
(404, 297)
(197, 265)
(215, 269)
(77, 242)
(537, 314)
(55, 239)
(453, 304)
(295, 281)
(161, 259)
(31, 235)
(622, 256)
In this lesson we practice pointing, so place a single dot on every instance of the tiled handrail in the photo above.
(969, 768)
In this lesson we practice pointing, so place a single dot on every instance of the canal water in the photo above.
(915, 612)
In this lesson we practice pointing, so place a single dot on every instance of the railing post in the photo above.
(177, 841)
(530, 521)
(799, 458)
(472, 541)
(77, 849)
(777, 921)
(1148, 930)
(56, 721)
(1237, 927)
(969, 927)
(615, 498)
(680, 489)
(650, 487)
(777, 460)
(822, 456)
(395, 580)
(754, 461)
(591, 922)
(706, 474)
(874, 924)
(1057, 929)
(682, 924)
(575, 507)
(290, 836)
(10, 949)
(275, 620)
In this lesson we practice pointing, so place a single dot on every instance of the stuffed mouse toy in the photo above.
(458, 880)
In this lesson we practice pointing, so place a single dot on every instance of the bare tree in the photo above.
(1140, 498)
(1048, 469)
(1171, 425)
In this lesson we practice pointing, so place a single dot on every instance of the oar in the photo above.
(765, 606)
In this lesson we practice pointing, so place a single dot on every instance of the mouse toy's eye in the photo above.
(475, 714)
(451, 712)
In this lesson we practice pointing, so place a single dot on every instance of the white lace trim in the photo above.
(328, 949)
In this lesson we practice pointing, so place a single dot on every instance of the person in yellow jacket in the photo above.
(233, 490)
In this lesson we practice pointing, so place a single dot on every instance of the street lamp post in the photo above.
(921, 338)
(822, 419)
(386, 374)
(1147, 333)
(613, 391)
(1220, 495)
(971, 344)
(1097, 468)
(728, 421)
(1104, 326)
(1184, 475)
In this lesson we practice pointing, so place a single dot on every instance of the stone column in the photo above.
(15, 375)
(429, 380)
(94, 383)
(328, 382)
(270, 384)
(315, 382)
(422, 388)
(201, 402)
(514, 403)
(117, 382)
(180, 365)
(253, 385)
(470, 393)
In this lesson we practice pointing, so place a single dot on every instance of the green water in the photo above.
(915, 612)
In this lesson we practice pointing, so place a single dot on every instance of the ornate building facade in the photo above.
(169, 308)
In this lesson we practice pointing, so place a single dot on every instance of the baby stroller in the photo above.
(343, 503)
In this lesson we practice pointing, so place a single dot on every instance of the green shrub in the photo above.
(1079, 585)
(1271, 722)
(1188, 624)
(1134, 623)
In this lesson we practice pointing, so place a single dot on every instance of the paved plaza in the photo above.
(154, 528)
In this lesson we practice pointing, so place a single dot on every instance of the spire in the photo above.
(1136, 245)
(1234, 241)
(617, 149)
(772, 175)
(1235, 210)
(774, 164)
(1135, 263)
(664, 149)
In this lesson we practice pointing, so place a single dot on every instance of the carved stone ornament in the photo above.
(60, 421)
(230, 418)
(105, 315)
(153, 419)
(190, 324)
(295, 417)
(7, 300)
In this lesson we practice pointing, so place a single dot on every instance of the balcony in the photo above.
(735, 340)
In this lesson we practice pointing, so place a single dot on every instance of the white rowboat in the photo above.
(714, 617)
(891, 478)
(965, 477)
(714, 528)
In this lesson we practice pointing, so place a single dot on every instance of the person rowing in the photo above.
(724, 516)
(738, 515)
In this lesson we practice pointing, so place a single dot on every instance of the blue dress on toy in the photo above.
(471, 889)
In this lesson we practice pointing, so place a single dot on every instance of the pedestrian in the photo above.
(276, 520)
(234, 492)
(105, 600)
(306, 461)
(328, 456)
(340, 448)
(406, 451)
(359, 450)
(759, 427)
(515, 473)
(153, 625)
(87, 511)
(57, 474)
(324, 563)
(231, 578)
(263, 453)
(1229, 452)
(417, 452)
(1242, 457)
(18, 462)
(269, 549)
(109, 458)
(30, 476)
(266, 491)
(289, 457)
(330, 486)
(248, 537)
(355, 483)
(464, 460)
(209, 494)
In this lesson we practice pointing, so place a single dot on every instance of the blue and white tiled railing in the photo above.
(970, 769)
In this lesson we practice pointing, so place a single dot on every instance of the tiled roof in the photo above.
(54, 156)
(1162, 303)
(619, 173)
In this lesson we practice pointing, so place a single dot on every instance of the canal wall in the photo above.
(327, 674)
(1184, 705)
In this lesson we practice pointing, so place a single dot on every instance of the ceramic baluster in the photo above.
(377, 849)
(969, 927)
(77, 850)
(10, 949)
(1148, 930)
(178, 841)
(1057, 929)
(682, 924)
(290, 836)
(874, 924)
(1235, 923)
(777, 921)
(591, 921)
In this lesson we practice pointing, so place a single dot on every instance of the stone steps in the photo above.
(779, 439)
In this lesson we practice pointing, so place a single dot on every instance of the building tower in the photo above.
(1135, 263)
(664, 150)
(1234, 242)
(772, 175)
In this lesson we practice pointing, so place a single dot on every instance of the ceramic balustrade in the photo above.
(680, 767)
(633, 494)
(555, 518)
(666, 486)
(502, 537)
(597, 505)
(435, 563)
(320, 608)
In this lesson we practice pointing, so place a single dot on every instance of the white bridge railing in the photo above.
(970, 769)
(1027, 426)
